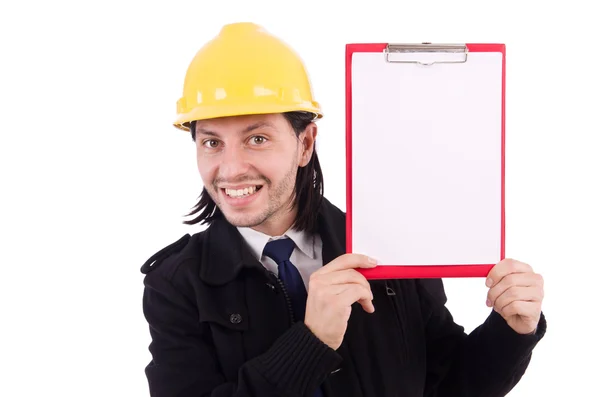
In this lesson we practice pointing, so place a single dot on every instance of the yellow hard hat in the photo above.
(244, 70)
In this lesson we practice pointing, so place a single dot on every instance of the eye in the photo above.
(210, 143)
(258, 140)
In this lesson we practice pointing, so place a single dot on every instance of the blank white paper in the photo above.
(426, 160)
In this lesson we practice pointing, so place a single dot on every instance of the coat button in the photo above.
(235, 318)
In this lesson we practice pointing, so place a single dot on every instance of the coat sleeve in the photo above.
(489, 361)
(184, 362)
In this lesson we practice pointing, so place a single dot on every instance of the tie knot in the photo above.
(279, 250)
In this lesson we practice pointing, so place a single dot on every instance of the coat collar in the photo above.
(225, 254)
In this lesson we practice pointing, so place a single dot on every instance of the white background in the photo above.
(95, 179)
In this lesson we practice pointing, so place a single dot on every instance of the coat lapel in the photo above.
(224, 254)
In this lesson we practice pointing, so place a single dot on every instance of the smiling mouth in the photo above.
(241, 193)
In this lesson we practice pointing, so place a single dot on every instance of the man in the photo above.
(265, 301)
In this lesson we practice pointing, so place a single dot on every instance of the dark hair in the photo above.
(308, 190)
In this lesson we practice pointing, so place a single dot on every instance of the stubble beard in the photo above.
(280, 201)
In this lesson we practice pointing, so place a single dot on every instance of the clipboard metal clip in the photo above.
(426, 53)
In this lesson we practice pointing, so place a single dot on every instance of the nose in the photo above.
(233, 163)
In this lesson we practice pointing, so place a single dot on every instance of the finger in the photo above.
(514, 280)
(330, 294)
(520, 308)
(348, 261)
(356, 293)
(347, 276)
(505, 267)
(514, 294)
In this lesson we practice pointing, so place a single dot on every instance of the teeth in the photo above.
(241, 192)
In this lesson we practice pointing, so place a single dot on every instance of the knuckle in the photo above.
(499, 301)
(360, 279)
(319, 293)
(517, 306)
(314, 279)
(507, 311)
(503, 310)
(509, 280)
(539, 279)
(511, 308)
(364, 293)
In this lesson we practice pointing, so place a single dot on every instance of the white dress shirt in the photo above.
(307, 254)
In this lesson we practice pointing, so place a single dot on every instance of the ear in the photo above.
(307, 144)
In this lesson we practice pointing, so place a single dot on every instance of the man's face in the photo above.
(248, 165)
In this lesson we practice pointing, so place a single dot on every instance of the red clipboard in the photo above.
(487, 62)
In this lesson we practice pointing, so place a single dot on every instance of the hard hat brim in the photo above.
(211, 112)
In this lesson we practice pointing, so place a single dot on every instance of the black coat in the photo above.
(220, 326)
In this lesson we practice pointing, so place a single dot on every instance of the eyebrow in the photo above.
(251, 127)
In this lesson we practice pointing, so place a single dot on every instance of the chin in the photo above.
(239, 220)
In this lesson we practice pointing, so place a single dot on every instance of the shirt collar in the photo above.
(304, 242)
(257, 240)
